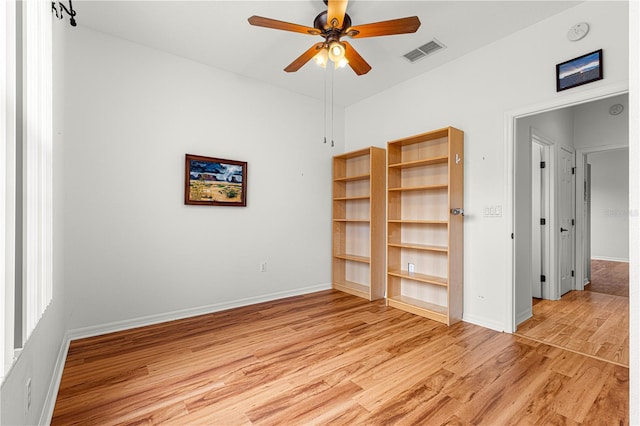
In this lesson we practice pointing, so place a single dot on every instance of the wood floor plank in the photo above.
(567, 363)
(332, 358)
(392, 378)
(592, 323)
(610, 403)
(537, 410)
(499, 402)
(416, 405)
(303, 403)
(493, 344)
(579, 393)
(468, 384)
(609, 277)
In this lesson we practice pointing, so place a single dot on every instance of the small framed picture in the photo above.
(215, 182)
(578, 71)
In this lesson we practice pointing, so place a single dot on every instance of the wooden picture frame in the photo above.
(213, 181)
(578, 71)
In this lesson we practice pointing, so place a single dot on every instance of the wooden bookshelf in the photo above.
(424, 239)
(359, 181)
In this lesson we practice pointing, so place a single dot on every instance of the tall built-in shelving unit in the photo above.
(424, 227)
(359, 223)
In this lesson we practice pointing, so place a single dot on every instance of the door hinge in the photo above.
(543, 164)
(543, 278)
(543, 221)
(512, 235)
(573, 273)
(573, 222)
(573, 170)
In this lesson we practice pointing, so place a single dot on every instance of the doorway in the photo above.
(611, 226)
(579, 129)
(570, 235)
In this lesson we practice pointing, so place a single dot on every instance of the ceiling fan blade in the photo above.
(394, 26)
(260, 21)
(356, 62)
(335, 12)
(304, 58)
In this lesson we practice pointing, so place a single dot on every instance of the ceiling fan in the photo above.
(332, 25)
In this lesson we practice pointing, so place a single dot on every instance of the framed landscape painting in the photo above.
(578, 71)
(215, 182)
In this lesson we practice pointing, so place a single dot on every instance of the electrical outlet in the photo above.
(411, 268)
(263, 267)
(27, 395)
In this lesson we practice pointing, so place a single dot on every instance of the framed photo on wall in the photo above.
(578, 71)
(215, 182)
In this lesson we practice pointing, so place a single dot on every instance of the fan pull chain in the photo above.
(325, 105)
(332, 92)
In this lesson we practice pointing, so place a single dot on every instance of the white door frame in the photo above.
(537, 205)
(562, 101)
(581, 227)
(548, 242)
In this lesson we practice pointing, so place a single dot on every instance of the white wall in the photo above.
(474, 93)
(595, 127)
(134, 253)
(610, 205)
(39, 356)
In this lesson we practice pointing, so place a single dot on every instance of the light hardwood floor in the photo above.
(332, 358)
(609, 277)
(591, 323)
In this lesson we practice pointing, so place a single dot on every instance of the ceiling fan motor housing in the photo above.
(327, 30)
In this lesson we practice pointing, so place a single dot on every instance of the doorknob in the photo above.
(563, 230)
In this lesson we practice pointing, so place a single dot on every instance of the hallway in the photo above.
(589, 322)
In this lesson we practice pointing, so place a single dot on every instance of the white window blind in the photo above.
(7, 180)
(37, 162)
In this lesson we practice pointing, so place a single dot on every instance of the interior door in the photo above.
(566, 230)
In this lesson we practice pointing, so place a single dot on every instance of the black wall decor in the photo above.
(60, 8)
(578, 71)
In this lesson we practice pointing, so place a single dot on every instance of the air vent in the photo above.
(424, 50)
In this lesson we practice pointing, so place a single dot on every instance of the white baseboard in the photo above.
(523, 316)
(54, 386)
(483, 322)
(610, 259)
(79, 333)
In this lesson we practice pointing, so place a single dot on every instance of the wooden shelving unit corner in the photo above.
(359, 203)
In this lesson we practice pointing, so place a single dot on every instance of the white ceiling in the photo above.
(217, 33)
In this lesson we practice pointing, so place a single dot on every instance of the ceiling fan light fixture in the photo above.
(322, 57)
(336, 51)
(341, 63)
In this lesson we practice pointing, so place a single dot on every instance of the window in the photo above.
(26, 118)
(37, 162)
(7, 182)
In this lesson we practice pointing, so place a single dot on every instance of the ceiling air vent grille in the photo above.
(424, 50)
